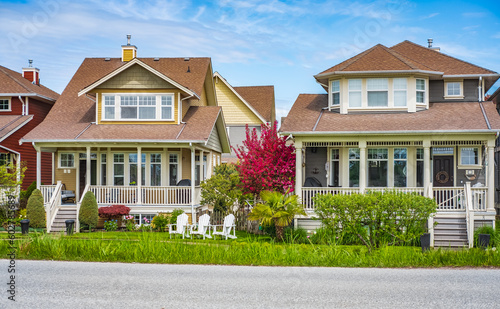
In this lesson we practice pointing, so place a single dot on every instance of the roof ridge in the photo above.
(402, 58)
(444, 54)
(15, 79)
(357, 57)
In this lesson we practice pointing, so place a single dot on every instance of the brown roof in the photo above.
(72, 114)
(14, 82)
(261, 98)
(306, 111)
(10, 123)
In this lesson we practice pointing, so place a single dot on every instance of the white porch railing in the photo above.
(309, 193)
(479, 198)
(449, 199)
(52, 207)
(161, 196)
(418, 190)
(47, 191)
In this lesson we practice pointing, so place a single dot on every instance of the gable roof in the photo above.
(408, 57)
(11, 123)
(13, 83)
(308, 116)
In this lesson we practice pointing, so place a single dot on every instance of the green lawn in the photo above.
(152, 247)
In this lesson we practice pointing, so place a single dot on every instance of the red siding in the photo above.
(16, 106)
(28, 154)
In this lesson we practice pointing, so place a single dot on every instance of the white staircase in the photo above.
(450, 232)
(64, 213)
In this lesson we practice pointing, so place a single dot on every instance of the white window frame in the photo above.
(9, 102)
(336, 92)
(423, 91)
(386, 89)
(179, 167)
(332, 159)
(117, 106)
(61, 160)
(398, 90)
(454, 96)
(357, 158)
(395, 160)
(352, 91)
(378, 159)
(476, 165)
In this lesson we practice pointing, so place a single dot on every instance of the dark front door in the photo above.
(83, 172)
(443, 171)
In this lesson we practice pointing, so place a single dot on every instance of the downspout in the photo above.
(180, 106)
(23, 109)
(480, 90)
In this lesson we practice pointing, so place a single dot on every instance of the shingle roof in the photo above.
(9, 123)
(72, 114)
(307, 115)
(14, 82)
(261, 98)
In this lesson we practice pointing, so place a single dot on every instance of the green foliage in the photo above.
(173, 216)
(390, 217)
(278, 209)
(111, 225)
(160, 222)
(35, 212)
(10, 178)
(130, 223)
(89, 213)
(486, 229)
(223, 189)
(25, 194)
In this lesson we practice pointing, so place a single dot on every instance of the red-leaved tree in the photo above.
(266, 162)
(113, 211)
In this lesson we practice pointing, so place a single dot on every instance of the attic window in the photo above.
(131, 107)
(453, 90)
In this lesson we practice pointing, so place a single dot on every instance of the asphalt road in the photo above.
(53, 284)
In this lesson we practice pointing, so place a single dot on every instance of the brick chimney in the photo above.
(129, 52)
(32, 74)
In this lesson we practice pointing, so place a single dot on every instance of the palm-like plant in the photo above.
(277, 208)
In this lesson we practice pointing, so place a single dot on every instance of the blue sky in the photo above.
(253, 42)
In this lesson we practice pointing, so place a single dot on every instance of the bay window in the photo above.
(399, 85)
(421, 91)
(354, 86)
(377, 90)
(335, 92)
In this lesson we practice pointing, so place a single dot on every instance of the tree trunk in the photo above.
(279, 232)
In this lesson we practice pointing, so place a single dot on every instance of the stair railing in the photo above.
(77, 221)
(53, 206)
(469, 214)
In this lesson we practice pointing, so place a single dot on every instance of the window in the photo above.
(67, 160)
(173, 169)
(132, 159)
(354, 92)
(5, 158)
(353, 167)
(103, 169)
(118, 169)
(421, 91)
(334, 167)
(420, 167)
(5, 105)
(155, 169)
(335, 92)
(400, 167)
(469, 156)
(139, 218)
(453, 89)
(377, 89)
(399, 85)
(377, 167)
(138, 107)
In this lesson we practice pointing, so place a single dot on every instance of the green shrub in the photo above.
(376, 218)
(111, 225)
(486, 229)
(160, 222)
(89, 213)
(294, 236)
(173, 216)
(35, 211)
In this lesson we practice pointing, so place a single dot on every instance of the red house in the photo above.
(24, 103)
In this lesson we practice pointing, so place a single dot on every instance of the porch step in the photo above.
(450, 232)
(62, 215)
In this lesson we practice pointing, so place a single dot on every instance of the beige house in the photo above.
(142, 132)
(408, 118)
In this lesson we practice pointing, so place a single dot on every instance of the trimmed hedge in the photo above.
(89, 213)
(35, 211)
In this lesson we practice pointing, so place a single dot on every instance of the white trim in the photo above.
(59, 165)
(469, 166)
(117, 106)
(128, 65)
(376, 72)
(27, 95)
(454, 96)
(9, 102)
(16, 128)
(216, 74)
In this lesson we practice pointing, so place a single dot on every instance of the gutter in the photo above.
(27, 95)
(376, 72)
(160, 141)
(310, 133)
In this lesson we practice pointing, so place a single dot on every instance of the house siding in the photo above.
(136, 77)
(436, 91)
(214, 141)
(235, 111)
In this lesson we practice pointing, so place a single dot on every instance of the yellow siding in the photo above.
(100, 91)
(186, 163)
(235, 111)
(69, 179)
(185, 107)
(128, 54)
(136, 77)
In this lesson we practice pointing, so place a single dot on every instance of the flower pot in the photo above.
(425, 242)
(484, 240)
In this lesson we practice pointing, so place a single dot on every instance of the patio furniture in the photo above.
(67, 195)
(181, 226)
(202, 227)
(227, 226)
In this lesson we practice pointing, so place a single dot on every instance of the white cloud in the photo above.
(430, 16)
(496, 35)
(474, 14)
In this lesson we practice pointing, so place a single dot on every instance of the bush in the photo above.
(111, 225)
(486, 229)
(130, 223)
(173, 216)
(89, 215)
(160, 222)
(376, 218)
(25, 195)
(113, 211)
(35, 211)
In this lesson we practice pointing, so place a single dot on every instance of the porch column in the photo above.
(298, 169)
(38, 167)
(193, 215)
(109, 168)
(202, 166)
(139, 175)
(362, 166)
(427, 168)
(88, 170)
(491, 177)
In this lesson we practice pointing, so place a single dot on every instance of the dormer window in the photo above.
(335, 92)
(377, 89)
(453, 90)
(131, 107)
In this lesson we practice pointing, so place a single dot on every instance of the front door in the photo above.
(83, 172)
(443, 171)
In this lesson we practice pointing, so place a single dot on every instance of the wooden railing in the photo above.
(47, 191)
(52, 207)
(419, 190)
(479, 198)
(449, 199)
(309, 193)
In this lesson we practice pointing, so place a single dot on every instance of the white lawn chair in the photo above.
(203, 227)
(182, 222)
(226, 228)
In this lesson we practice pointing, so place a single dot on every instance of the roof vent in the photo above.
(189, 70)
(107, 59)
(32, 74)
(156, 59)
(129, 52)
(429, 42)
(186, 59)
(129, 36)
